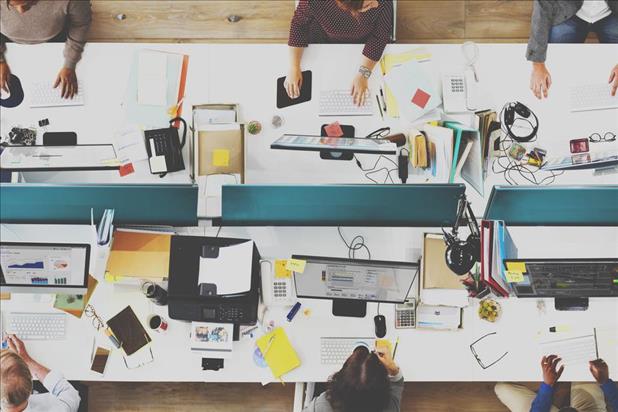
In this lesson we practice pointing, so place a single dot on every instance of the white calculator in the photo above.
(405, 314)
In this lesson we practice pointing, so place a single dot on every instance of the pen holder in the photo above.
(155, 293)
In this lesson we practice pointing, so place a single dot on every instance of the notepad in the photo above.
(278, 352)
(127, 328)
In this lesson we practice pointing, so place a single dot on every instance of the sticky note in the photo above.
(516, 266)
(281, 272)
(220, 157)
(420, 98)
(126, 169)
(333, 130)
(514, 277)
(296, 265)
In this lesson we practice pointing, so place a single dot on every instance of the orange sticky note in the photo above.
(281, 272)
(296, 265)
(221, 157)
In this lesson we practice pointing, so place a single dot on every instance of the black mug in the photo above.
(155, 293)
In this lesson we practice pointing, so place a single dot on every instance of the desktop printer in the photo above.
(213, 280)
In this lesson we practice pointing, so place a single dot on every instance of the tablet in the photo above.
(283, 100)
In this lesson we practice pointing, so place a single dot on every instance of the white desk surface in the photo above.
(246, 74)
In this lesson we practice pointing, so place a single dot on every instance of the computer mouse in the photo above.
(380, 324)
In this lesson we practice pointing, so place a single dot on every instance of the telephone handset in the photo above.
(165, 148)
(275, 291)
(459, 92)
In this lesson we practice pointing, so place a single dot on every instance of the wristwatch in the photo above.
(365, 71)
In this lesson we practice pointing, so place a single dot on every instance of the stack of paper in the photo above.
(139, 255)
(212, 340)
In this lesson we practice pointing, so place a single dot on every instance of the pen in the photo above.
(383, 100)
(293, 311)
(380, 107)
(395, 350)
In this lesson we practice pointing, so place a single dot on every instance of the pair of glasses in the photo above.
(97, 322)
(597, 138)
(481, 363)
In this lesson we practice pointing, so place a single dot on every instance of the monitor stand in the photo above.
(571, 303)
(350, 308)
(332, 155)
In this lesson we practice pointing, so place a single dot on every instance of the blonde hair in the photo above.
(15, 379)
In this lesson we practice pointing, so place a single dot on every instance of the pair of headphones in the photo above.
(461, 255)
(510, 112)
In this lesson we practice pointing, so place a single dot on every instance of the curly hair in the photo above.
(362, 384)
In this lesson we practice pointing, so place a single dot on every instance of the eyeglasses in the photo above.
(597, 138)
(478, 358)
(97, 322)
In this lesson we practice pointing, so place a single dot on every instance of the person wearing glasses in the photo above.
(367, 382)
(585, 397)
(340, 21)
(16, 371)
(41, 21)
(568, 21)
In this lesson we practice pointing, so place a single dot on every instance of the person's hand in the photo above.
(384, 355)
(68, 79)
(613, 79)
(550, 373)
(598, 367)
(359, 88)
(293, 82)
(17, 346)
(540, 81)
(5, 73)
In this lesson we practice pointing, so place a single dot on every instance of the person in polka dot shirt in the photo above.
(340, 21)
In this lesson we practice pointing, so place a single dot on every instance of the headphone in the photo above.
(461, 255)
(510, 110)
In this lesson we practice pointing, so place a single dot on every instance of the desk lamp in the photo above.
(461, 255)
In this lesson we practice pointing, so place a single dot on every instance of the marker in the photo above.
(395, 350)
(559, 328)
(380, 107)
(383, 100)
(293, 312)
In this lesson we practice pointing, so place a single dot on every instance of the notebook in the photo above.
(278, 352)
(127, 328)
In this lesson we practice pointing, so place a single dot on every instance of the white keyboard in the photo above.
(335, 351)
(592, 97)
(341, 103)
(43, 94)
(36, 325)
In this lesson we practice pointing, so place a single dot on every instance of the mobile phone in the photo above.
(99, 360)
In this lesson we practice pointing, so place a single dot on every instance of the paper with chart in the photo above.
(573, 349)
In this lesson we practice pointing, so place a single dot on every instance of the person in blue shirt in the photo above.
(585, 397)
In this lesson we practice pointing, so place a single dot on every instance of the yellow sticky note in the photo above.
(516, 266)
(296, 265)
(281, 271)
(220, 157)
(514, 277)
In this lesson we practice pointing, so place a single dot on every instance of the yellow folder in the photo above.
(142, 255)
(278, 352)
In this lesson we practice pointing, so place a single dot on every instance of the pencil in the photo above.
(395, 350)
(380, 107)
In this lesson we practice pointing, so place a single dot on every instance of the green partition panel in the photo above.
(421, 205)
(174, 205)
(554, 205)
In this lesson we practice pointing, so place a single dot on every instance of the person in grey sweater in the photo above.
(568, 21)
(40, 21)
(367, 382)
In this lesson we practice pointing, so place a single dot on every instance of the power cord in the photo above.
(370, 171)
(358, 243)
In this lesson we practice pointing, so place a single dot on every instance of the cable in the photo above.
(358, 243)
(368, 172)
(218, 231)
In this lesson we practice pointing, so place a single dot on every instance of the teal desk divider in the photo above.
(421, 205)
(174, 205)
(554, 206)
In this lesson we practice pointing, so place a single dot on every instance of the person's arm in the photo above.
(536, 52)
(544, 397)
(600, 372)
(613, 79)
(5, 71)
(395, 376)
(294, 80)
(79, 17)
(298, 40)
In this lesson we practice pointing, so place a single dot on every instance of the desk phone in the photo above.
(165, 148)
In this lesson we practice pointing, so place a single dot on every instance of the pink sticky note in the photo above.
(333, 130)
(420, 98)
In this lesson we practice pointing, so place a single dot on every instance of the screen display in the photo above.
(333, 279)
(44, 265)
(208, 313)
(341, 143)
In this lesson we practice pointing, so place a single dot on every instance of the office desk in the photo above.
(221, 74)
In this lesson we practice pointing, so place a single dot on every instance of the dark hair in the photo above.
(362, 385)
(351, 5)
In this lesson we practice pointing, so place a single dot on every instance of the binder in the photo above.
(278, 352)
(489, 257)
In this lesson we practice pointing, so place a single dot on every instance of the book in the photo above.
(129, 331)
(278, 352)
(213, 340)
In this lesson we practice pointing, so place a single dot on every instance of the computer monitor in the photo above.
(335, 147)
(44, 267)
(570, 281)
(351, 283)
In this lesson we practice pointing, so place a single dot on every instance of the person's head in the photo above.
(21, 6)
(362, 385)
(357, 6)
(15, 382)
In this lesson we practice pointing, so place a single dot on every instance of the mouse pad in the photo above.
(16, 95)
(283, 100)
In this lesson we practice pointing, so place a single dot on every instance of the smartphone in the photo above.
(99, 360)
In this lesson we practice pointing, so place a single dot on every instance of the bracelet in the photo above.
(365, 71)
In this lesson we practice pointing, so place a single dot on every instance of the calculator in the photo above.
(405, 314)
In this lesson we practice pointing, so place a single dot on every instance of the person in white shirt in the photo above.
(568, 21)
(16, 371)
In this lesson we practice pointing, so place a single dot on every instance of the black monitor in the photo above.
(351, 283)
(569, 281)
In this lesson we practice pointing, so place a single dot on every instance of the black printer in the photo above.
(188, 301)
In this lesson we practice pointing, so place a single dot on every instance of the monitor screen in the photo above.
(48, 266)
(343, 144)
(372, 281)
